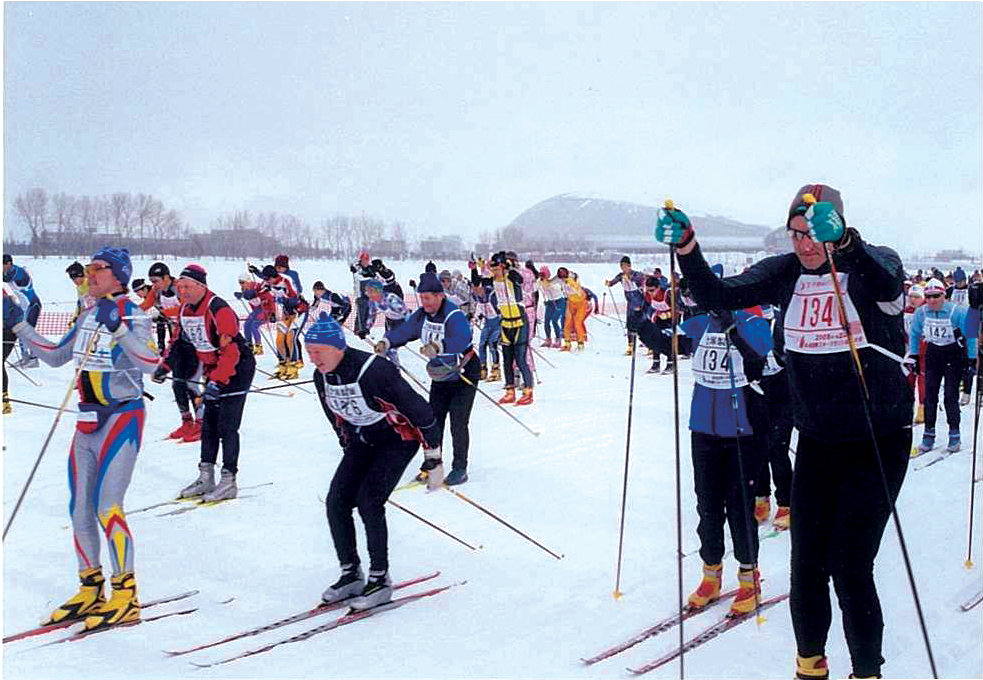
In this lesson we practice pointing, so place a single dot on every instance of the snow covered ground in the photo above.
(522, 613)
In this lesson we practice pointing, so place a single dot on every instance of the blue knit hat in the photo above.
(429, 283)
(373, 283)
(118, 260)
(326, 331)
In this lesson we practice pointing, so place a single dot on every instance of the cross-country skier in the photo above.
(554, 306)
(951, 347)
(113, 340)
(228, 365)
(391, 307)
(21, 286)
(841, 509)
(446, 336)
(262, 308)
(380, 422)
(632, 283)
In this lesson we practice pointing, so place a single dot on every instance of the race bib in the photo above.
(939, 331)
(712, 363)
(193, 328)
(960, 296)
(812, 322)
(432, 332)
(101, 356)
(348, 402)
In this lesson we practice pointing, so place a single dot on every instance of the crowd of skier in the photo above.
(778, 346)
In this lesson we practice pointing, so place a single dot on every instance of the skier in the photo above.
(380, 422)
(506, 296)
(262, 308)
(390, 306)
(287, 301)
(632, 282)
(491, 331)
(21, 286)
(951, 347)
(362, 271)
(282, 265)
(727, 436)
(554, 305)
(337, 306)
(228, 367)
(840, 508)
(575, 310)
(446, 336)
(76, 272)
(161, 304)
(113, 341)
(9, 340)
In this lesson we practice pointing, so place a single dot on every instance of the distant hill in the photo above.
(608, 223)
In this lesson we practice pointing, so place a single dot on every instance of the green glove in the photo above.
(673, 226)
(825, 224)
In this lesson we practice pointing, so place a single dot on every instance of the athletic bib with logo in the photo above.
(347, 401)
(193, 328)
(432, 331)
(812, 322)
(101, 356)
(939, 331)
(711, 363)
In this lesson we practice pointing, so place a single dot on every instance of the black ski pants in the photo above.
(364, 479)
(456, 398)
(184, 364)
(776, 461)
(943, 364)
(8, 346)
(222, 417)
(839, 519)
(720, 496)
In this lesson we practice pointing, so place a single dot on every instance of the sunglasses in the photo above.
(92, 269)
(933, 296)
(799, 235)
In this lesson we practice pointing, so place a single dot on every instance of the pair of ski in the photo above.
(189, 503)
(725, 624)
(938, 459)
(42, 630)
(351, 617)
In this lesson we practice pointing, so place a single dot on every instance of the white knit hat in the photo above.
(934, 286)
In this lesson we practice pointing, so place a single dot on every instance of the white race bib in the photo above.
(193, 328)
(939, 331)
(812, 322)
(960, 296)
(101, 356)
(432, 332)
(348, 402)
(711, 363)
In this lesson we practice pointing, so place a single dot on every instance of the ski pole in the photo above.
(29, 378)
(597, 317)
(432, 525)
(865, 400)
(484, 394)
(269, 343)
(259, 390)
(624, 487)
(64, 403)
(679, 487)
(972, 476)
(541, 355)
(31, 403)
(405, 370)
(502, 521)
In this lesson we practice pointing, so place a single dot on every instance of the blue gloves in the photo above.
(107, 313)
(248, 294)
(212, 391)
(673, 226)
(238, 294)
(12, 312)
(825, 224)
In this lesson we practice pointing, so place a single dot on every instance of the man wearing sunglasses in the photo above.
(838, 496)
(950, 335)
(111, 342)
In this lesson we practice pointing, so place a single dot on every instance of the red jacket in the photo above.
(212, 327)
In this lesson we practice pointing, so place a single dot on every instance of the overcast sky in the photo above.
(454, 117)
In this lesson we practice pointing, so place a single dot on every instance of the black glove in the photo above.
(361, 334)
(412, 284)
(377, 264)
(352, 268)
(160, 373)
(253, 269)
(238, 294)
(913, 363)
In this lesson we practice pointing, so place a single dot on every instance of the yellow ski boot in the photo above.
(87, 600)
(123, 606)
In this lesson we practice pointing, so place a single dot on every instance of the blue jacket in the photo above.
(22, 283)
(964, 319)
(448, 327)
(712, 409)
